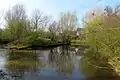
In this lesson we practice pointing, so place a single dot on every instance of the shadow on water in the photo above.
(60, 63)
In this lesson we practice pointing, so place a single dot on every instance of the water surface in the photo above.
(60, 63)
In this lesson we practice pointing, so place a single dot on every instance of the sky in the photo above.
(54, 7)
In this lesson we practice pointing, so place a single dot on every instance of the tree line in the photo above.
(37, 28)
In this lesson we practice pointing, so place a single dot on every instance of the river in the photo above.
(60, 63)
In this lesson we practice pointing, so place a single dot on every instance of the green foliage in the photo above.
(16, 23)
(77, 42)
(41, 41)
(102, 35)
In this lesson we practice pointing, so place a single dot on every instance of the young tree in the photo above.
(16, 22)
(53, 28)
(67, 24)
(1, 23)
(39, 23)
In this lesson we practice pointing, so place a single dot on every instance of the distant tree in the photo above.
(112, 16)
(39, 22)
(1, 23)
(53, 28)
(67, 24)
(92, 13)
(16, 22)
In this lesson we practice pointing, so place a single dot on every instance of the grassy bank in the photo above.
(79, 43)
(36, 44)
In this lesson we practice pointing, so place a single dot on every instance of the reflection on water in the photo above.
(61, 63)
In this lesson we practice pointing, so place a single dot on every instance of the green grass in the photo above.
(77, 42)
(17, 46)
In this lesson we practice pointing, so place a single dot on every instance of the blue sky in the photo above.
(54, 7)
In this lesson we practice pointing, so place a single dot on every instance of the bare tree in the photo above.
(93, 13)
(67, 25)
(53, 28)
(39, 21)
(2, 13)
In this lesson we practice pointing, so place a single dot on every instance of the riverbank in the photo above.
(45, 44)
(79, 43)
(42, 44)
(32, 46)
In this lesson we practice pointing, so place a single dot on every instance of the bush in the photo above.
(42, 41)
(104, 43)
